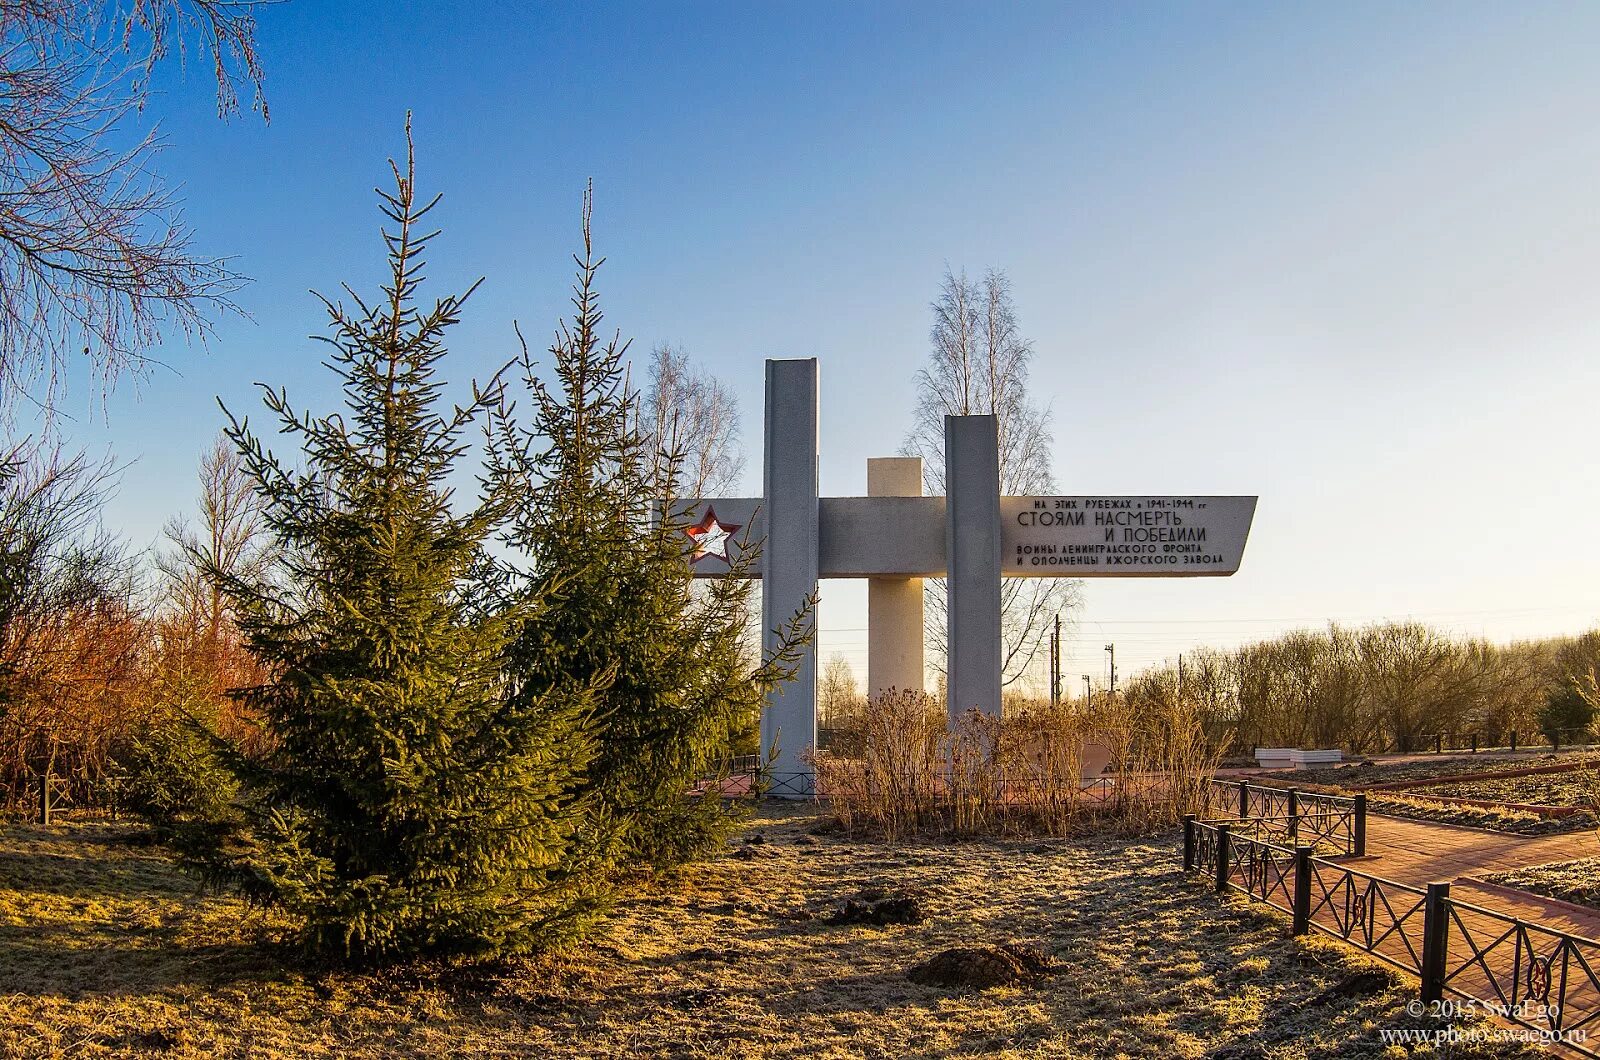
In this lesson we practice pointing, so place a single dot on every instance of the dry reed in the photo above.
(1035, 771)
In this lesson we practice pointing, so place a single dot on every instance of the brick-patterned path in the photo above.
(1487, 957)
(1422, 852)
(1416, 853)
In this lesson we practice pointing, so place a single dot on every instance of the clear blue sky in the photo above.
(1342, 256)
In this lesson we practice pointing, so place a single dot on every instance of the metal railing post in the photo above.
(1302, 890)
(1294, 815)
(1358, 826)
(1435, 940)
(1244, 800)
(1224, 856)
(1188, 842)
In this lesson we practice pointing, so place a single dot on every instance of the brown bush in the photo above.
(1019, 774)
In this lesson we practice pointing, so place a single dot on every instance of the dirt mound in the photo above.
(1357, 984)
(880, 908)
(981, 967)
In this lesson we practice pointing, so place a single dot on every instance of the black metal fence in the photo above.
(1475, 740)
(1527, 973)
(1290, 816)
(741, 765)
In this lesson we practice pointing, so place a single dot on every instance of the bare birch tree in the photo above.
(230, 539)
(690, 420)
(96, 259)
(979, 366)
(837, 692)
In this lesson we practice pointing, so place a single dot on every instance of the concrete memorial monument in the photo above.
(895, 537)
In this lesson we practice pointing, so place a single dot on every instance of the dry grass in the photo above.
(1573, 881)
(1493, 818)
(1576, 788)
(105, 950)
(1425, 801)
(1377, 771)
(912, 771)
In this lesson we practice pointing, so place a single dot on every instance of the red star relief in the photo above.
(711, 537)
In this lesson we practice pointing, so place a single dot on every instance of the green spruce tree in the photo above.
(609, 561)
(407, 803)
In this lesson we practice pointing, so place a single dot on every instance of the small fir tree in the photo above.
(1566, 712)
(406, 802)
(608, 557)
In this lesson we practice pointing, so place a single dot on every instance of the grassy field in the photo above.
(1573, 881)
(1577, 788)
(1494, 818)
(105, 949)
(1373, 771)
(1559, 789)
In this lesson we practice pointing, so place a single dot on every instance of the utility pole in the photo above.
(1088, 692)
(1056, 682)
(1051, 666)
(1180, 677)
(1111, 649)
(1055, 692)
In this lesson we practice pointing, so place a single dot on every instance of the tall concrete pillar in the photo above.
(789, 559)
(894, 605)
(972, 550)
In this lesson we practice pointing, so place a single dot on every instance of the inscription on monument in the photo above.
(1090, 537)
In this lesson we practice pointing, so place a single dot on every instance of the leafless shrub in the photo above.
(891, 788)
(1020, 774)
(73, 627)
(92, 659)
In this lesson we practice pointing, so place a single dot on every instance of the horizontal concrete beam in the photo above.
(863, 537)
(860, 537)
(1150, 536)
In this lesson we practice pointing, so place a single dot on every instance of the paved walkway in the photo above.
(1422, 852)
(1487, 957)
(1503, 946)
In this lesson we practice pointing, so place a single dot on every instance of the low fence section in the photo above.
(1522, 972)
(1290, 816)
(1474, 741)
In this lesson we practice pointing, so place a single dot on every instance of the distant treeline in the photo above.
(1394, 686)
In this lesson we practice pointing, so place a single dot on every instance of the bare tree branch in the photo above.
(978, 365)
(96, 259)
(690, 423)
